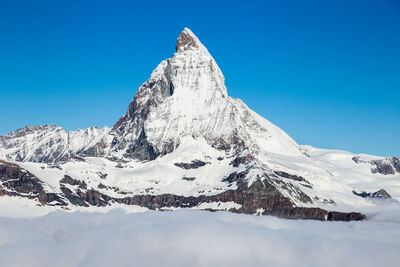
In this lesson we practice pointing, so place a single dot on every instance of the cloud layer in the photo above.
(193, 238)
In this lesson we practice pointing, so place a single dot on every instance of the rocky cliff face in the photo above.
(186, 96)
(383, 166)
(18, 182)
(183, 142)
(260, 198)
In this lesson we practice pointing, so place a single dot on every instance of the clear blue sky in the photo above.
(327, 72)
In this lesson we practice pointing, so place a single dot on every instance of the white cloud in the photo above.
(193, 238)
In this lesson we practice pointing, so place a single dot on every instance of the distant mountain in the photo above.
(184, 143)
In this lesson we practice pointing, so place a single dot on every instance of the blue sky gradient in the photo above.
(326, 72)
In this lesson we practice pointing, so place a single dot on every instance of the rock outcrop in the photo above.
(378, 194)
(17, 182)
(261, 197)
(182, 143)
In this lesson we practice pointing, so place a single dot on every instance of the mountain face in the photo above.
(186, 96)
(49, 143)
(184, 143)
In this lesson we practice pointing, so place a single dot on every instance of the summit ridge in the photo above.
(184, 142)
(187, 40)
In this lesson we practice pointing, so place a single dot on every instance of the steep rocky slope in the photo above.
(184, 143)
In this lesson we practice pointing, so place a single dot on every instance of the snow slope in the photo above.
(183, 135)
(48, 143)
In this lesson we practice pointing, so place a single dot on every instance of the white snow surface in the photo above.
(36, 143)
(332, 174)
(198, 113)
(194, 116)
(200, 107)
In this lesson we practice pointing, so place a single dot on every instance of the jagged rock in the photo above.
(235, 176)
(183, 106)
(241, 160)
(186, 40)
(396, 164)
(387, 166)
(378, 194)
(101, 186)
(383, 166)
(69, 180)
(381, 194)
(290, 176)
(189, 178)
(259, 195)
(16, 181)
(195, 164)
(142, 149)
(358, 160)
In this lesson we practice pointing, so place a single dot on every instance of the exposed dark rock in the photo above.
(343, 216)
(186, 41)
(86, 198)
(69, 180)
(19, 180)
(192, 165)
(378, 194)
(290, 176)
(383, 168)
(396, 164)
(293, 190)
(381, 194)
(189, 178)
(95, 198)
(77, 158)
(241, 160)
(386, 166)
(95, 151)
(55, 166)
(261, 197)
(50, 199)
(128, 132)
(358, 160)
(102, 175)
(142, 149)
(234, 142)
(16, 181)
(234, 177)
(73, 198)
(101, 186)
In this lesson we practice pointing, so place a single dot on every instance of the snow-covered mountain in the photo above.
(185, 143)
(49, 143)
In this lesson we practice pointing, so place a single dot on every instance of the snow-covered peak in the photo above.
(188, 41)
(186, 96)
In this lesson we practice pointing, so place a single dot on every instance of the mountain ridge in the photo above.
(184, 142)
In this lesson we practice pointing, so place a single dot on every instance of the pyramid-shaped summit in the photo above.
(187, 40)
(185, 143)
(186, 96)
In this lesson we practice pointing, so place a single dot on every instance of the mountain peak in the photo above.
(187, 40)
